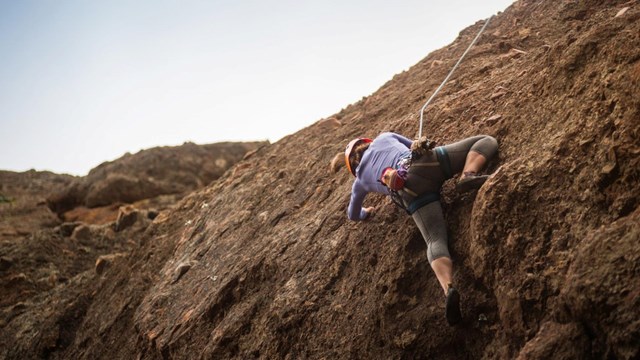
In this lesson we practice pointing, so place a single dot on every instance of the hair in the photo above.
(356, 154)
(337, 163)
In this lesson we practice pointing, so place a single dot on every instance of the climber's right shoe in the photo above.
(470, 181)
(452, 306)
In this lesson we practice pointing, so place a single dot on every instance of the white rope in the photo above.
(450, 72)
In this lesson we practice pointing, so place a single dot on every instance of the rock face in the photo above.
(264, 264)
(22, 201)
(41, 255)
(23, 212)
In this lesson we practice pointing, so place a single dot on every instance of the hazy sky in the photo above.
(82, 82)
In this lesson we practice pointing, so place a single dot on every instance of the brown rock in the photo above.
(180, 271)
(103, 263)
(81, 233)
(493, 119)
(127, 216)
(329, 124)
(524, 33)
(622, 11)
(612, 162)
(5, 263)
(557, 341)
(67, 228)
(598, 290)
(514, 53)
(497, 94)
(99, 215)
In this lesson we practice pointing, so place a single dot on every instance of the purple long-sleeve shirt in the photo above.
(384, 152)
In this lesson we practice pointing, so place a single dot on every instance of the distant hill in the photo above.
(154, 177)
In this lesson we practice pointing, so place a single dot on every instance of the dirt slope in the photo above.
(264, 264)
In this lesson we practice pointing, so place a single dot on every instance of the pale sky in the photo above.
(85, 81)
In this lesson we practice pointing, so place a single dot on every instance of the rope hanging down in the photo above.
(450, 72)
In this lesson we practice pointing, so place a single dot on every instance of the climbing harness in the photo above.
(450, 73)
(428, 197)
(415, 204)
(422, 200)
(397, 188)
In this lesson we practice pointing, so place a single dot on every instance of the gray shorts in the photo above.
(426, 173)
(430, 221)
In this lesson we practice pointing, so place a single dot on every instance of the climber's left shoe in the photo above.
(470, 181)
(452, 306)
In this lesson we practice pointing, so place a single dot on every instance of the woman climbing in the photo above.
(412, 174)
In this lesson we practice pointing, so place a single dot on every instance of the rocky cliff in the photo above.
(42, 252)
(264, 264)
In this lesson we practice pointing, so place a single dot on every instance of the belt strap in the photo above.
(422, 200)
(443, 159)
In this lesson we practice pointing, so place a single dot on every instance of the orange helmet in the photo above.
(349, 151)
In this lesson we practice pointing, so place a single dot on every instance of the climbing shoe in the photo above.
(470, 181)
(452, 306)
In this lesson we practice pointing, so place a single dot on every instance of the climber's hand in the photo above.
(370, 212)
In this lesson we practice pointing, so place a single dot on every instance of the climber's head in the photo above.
(353, 153)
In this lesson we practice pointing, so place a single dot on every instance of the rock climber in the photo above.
(412, 173)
